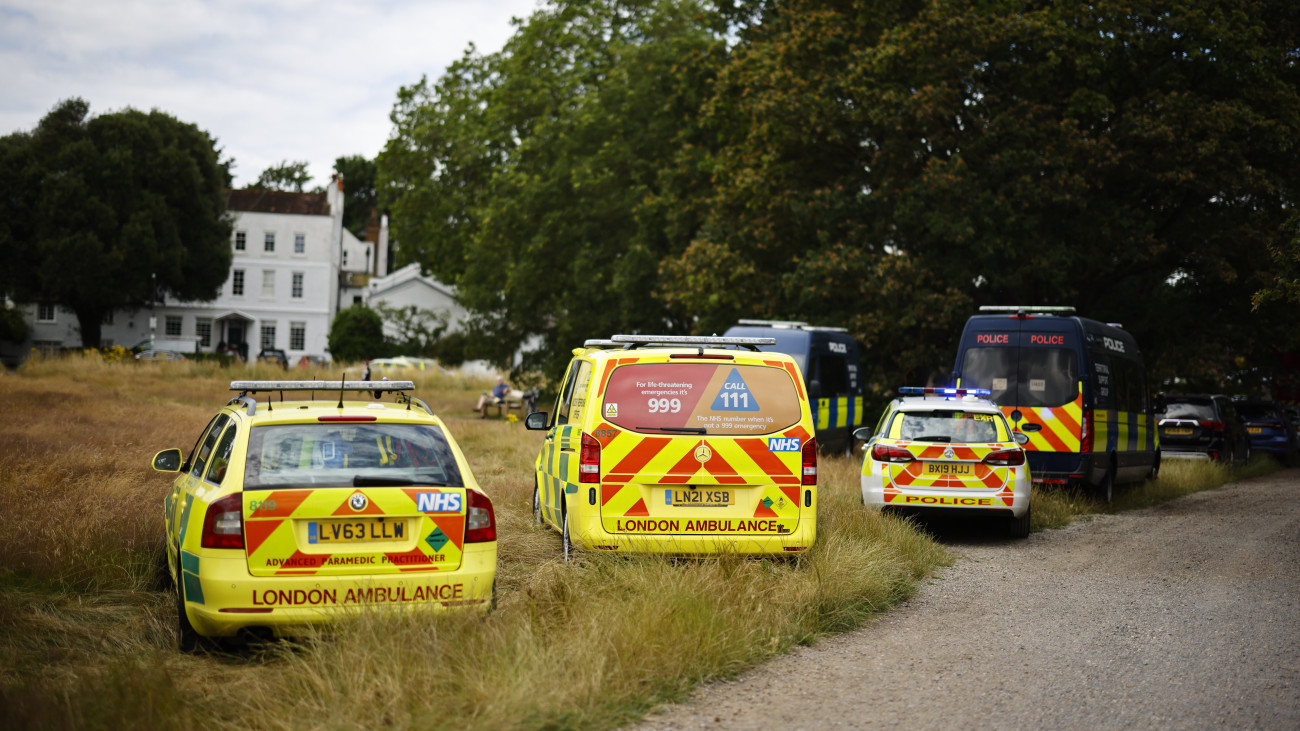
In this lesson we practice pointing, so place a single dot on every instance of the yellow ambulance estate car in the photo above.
(290, 513)
(947, 451)
(679, 445)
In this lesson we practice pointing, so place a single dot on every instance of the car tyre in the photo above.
(565, 542)
(537, 503)
(187, 638)
(1154, 474)
(1105, 491)
(1019, 527)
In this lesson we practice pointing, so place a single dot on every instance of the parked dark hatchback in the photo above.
(1201, 426)
(1268, 428)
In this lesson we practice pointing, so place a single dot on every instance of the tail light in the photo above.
(886, 453)
(810, 462)
(223, 524)
(1214, 425)
(589, 460)
(1006, 457)
(481, 524)
(1085, 436)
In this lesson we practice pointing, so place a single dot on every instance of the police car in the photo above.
(950, 451)
(679, 445)
(288, 513)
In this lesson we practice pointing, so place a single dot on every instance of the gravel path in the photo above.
(1184, 615)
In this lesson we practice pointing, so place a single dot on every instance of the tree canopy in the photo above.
(359, 196)
(290, 177)
(888, 166)
(112, 211)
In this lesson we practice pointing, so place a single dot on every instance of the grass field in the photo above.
(86, 619)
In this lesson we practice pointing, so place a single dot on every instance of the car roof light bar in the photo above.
(385, 385)
(1030, 309)
(673, 341)
(773, 323)
(919, 391)
(600, 343)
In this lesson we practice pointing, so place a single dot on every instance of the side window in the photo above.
(566, 395)
(221, 456)
(833, 372)
(200, 459)
(194, 451)
(579, 396)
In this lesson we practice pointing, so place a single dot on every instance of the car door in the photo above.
(181, 499)
(555, 457)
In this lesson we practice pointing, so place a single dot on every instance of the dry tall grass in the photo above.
(86, 621)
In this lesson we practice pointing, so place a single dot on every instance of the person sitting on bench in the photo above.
(497, 396)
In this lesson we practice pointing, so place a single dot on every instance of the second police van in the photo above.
(828, 357)
(679, 445)
(1075, 387)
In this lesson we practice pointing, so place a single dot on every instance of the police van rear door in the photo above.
(1031, 365)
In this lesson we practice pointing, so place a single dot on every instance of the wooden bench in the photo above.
(519, 401)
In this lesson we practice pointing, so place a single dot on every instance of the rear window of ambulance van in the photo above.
(719, 398)
(345, 455)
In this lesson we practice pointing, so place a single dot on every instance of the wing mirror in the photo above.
(536, 420)
(168, 460)
(862, 433)
(1021, 438)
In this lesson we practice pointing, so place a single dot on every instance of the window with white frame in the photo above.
(268, 335)
(241, 240)
(173, 326)
(237, 283)
(297, 335)
(296, 290)
(268, 283)
(269, 245)
(44, 312)
(203, 328)
(300, 243)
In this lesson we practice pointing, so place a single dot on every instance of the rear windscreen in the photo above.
(1259, 411)
(349, 454)
(1023, 377)
(701, 398)
(1200, 410)
(950, 427)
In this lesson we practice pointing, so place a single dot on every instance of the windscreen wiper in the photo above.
(371, 481)
(935, 438)
(677, 429)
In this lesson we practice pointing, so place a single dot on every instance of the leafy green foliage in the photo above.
(357, 334)
(544, 181)
(12, 325)
(286, 176)
(359, 196)
(112, 211)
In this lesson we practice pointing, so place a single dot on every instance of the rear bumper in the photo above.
(587, 532)
(228, 599)
(956, 500)
(1186, 455)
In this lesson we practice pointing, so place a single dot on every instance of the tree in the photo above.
(359, 196)
(356, 334)
(112, 211)
(891, 165)
(287, 176)
(544, 181)
(12, 325)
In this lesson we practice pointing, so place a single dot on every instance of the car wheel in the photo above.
(1105, 492)
(537, 502)
(187, 638)
(565, 541)
(1154, 474)
(1019, 527)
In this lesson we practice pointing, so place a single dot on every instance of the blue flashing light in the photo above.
(919, 391)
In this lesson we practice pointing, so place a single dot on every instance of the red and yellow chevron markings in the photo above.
(1061, 425)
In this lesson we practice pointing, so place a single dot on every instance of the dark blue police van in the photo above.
(832, 371)
(1075, 387)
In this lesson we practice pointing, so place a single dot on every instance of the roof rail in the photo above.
(601, 343)
(1030, 309)
(701, 341)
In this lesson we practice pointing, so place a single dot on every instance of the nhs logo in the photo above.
(783, 444)
(437, 502)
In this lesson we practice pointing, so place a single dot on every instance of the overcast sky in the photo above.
(271, 80)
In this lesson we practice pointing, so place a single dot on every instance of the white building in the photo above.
(294, 266)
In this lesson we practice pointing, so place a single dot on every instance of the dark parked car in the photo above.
(1201, 426)
(274, 356)
(1268, 428)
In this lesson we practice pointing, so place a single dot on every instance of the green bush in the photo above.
(357, 333)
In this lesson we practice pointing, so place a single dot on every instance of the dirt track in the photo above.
(1184, 615)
